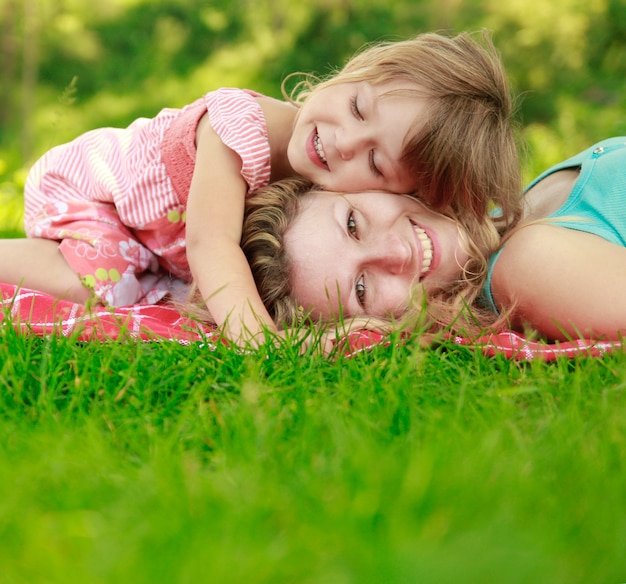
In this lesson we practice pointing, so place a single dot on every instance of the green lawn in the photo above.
(144, 463)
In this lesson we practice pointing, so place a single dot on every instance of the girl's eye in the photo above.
(352, 225)
(357, 114)
(375, 170)
(359, 288)
(355, 108)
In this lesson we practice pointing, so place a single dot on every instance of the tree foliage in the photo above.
(67, 66)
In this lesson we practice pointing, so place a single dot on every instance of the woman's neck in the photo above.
(548, 195)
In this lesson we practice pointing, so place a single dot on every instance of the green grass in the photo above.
(144, 463)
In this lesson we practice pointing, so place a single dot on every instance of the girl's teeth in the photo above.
(427, 249)
(318, 148)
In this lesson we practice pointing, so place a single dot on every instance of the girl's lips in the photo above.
(312, 145)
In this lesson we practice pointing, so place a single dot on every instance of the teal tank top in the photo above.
(597, 203)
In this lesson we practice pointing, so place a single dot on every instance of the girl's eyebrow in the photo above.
(390, 168)
(369, 98)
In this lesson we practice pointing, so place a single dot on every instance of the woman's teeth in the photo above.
(318, 148)
(427, 249)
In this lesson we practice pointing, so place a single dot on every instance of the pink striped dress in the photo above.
(115, 199)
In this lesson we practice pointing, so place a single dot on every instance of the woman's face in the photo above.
(361, 254)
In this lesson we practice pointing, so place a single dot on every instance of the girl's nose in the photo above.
(348, 140)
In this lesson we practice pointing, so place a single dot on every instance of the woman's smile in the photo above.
(426, 245)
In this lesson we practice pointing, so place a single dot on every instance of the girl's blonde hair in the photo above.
(464, 154)
(268, 216)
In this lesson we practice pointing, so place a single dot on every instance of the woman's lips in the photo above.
(427, 249)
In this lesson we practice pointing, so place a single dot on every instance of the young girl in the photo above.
(134, 212)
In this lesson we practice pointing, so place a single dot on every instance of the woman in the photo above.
(561, 271)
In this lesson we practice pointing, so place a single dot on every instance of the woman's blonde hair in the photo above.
(464, 154)
(267, 216)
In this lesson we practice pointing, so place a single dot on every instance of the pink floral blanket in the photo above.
(33, 312)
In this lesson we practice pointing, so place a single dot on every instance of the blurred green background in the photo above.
(68, 65)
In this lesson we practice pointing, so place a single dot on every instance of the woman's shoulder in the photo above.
(562, 281)
(528, 255)
(533, 246)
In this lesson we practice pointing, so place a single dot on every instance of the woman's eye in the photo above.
(355, 108)
(352, 225)
(359, 288)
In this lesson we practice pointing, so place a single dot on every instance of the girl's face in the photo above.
(349, 137)
(361, 254)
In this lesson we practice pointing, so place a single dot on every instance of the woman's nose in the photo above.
(390, 254)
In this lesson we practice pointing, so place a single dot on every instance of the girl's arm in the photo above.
(215, 211)
(566, 284)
